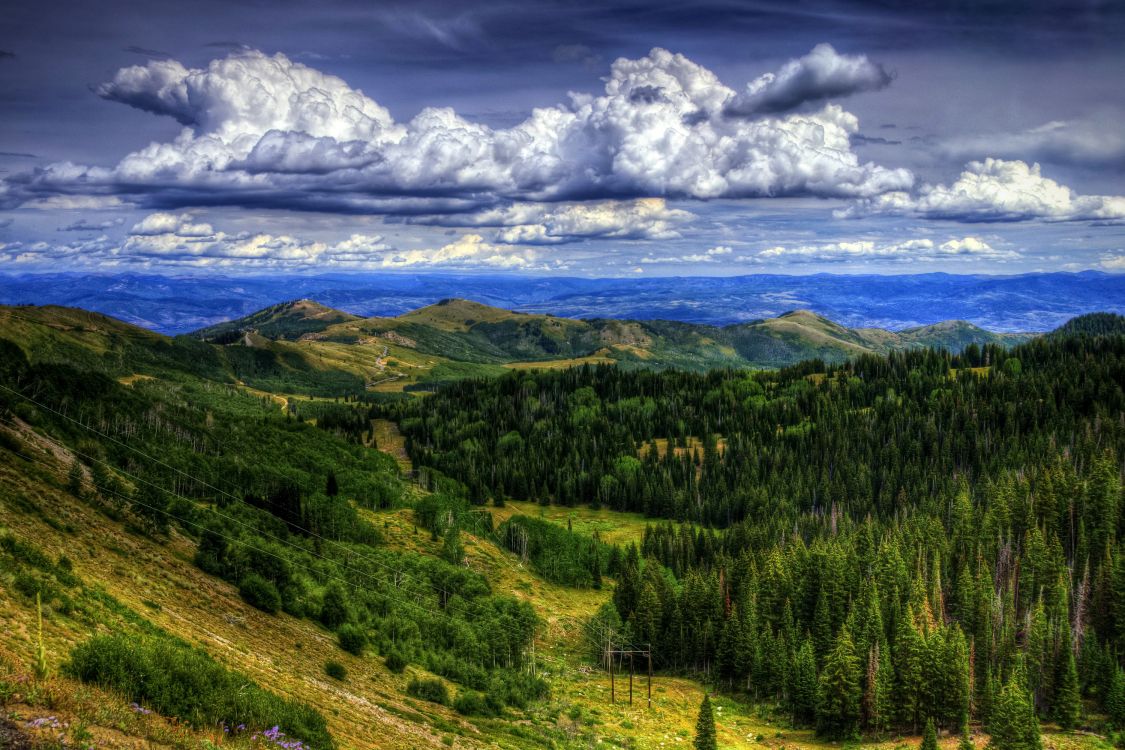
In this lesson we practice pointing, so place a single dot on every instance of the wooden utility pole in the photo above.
(630, 679)
(614, 654)
(649, 684)
(612, 695)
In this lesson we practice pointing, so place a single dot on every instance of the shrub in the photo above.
(334, 609)
(472, 703)
(396, 662)
(335, 670)
(260, 593)
(429, 690)
(352, 638)
(180, 681)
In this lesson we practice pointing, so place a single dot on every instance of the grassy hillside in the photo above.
(288, 320)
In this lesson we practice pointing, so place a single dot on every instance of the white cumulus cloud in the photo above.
(266, 130)
(994, 190)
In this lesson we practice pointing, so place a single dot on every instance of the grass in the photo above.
(389, 440)
(613, 527)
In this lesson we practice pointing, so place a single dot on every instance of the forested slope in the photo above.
(902, 538)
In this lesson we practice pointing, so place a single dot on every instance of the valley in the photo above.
(491, 523)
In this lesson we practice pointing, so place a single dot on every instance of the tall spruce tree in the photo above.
(1013, 723)
(1068, 704)
(929, 736)
(705, 738)
(803, 688)
(839, 694)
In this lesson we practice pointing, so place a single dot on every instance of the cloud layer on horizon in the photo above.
(171, 239)
(994, 190)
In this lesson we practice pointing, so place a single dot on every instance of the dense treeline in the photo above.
(860, 435)
(921, 537)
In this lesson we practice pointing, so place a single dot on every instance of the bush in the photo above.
(396, 662)
(430, 690)
(335, 670)
(334, 609)
(180, 681)
(260, 593)
(472, 703)
(352, 638)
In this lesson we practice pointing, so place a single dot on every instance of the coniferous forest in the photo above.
(893, 544)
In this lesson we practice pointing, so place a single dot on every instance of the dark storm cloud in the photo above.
(818, 76)
(874, 140)
(85, 225)
(144, 52)
(5, 54)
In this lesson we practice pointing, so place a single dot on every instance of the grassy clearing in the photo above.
(613, 527)
(693, 444)
(389, 440)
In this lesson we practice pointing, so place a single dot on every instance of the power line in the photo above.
(395, 572)
(311, 571)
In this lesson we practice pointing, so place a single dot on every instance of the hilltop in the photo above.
(471, 332)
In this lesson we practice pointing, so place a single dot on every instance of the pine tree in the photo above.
(705, 727)
(908, 652)
(885, 693)
(966, 741)
(1115, 699)
(1013, 724)
(929, 736)
(822, 627)
(838, 709)
(803, 688)
(1067, 702)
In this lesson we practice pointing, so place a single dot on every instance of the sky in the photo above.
(576, 138)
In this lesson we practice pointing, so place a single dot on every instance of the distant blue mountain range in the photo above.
(1030, 302)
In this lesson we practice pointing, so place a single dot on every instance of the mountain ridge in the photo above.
(180, 304)
(477, 332)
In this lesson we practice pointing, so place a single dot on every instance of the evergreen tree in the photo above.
(839, 694)
(966, 741)
(1013, 724)
(803, 689)
(1067, 702)
(929, 736)
(1115, 698)
(705, 738)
